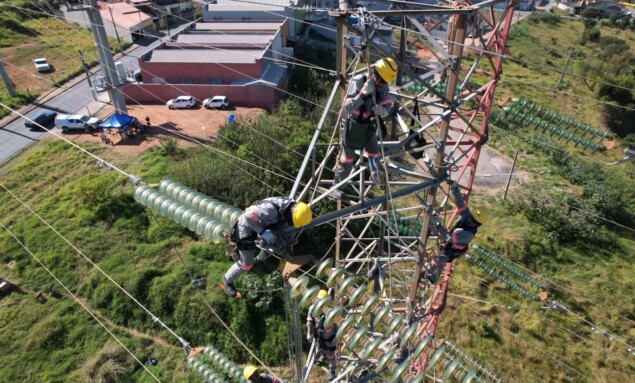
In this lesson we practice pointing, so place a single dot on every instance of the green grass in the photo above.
(26, 37)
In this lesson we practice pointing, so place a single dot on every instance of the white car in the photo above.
(68, 122)
(41, 64)
(181, 102)
(216, 102)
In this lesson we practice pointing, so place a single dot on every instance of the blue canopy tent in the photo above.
(119, 122)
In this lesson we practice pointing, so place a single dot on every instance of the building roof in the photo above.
(211, 56)
(124, 15)
(239, 26)
(246, 40)
(233, 5)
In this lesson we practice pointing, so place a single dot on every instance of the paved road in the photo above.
(76, 98)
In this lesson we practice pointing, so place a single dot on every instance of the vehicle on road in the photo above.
(181, 102)
(41, 64)
(68, 122)
(40, 118)
(216, 102)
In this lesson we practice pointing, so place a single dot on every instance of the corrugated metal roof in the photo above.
(239, 26)
(232, 5)
(221, 56)
(226, 38)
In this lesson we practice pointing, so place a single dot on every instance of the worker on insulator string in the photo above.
(251, 374)
(358, 129)
(326, 336)
(456, 241)
(260, 220)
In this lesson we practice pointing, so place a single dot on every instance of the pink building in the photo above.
(246, 62)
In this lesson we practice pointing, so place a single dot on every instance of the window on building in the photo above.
(187, 80)
(216, 81)
(246, 18)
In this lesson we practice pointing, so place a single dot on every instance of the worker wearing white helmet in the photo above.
(358, 130)
(260, 220)
(457, 240)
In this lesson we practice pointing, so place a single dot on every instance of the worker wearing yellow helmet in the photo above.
(367, 99)
(456, 241)
(325, 337)
(251, 374)
(256, 227)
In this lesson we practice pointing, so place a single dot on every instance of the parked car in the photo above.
(216, 102)
(41, 118)
(181, 102)
(41, 64)
(68, 122)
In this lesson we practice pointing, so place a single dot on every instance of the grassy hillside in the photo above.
(560, 225)
(28, 30)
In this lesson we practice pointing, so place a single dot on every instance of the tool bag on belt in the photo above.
(357, 133)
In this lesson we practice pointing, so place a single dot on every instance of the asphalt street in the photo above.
(74, 97)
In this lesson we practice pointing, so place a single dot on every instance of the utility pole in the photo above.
(565, 67)
(85, 67)
(116, 32)
(459, 22)
(105, 56)
(7, 80)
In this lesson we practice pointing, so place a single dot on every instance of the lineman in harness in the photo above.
(261, 220)
(457, 240)
(358, 130)
(326, 337)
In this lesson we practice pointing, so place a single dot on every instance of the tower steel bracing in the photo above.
(449, 66)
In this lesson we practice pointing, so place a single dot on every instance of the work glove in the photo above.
(368, 88)
(309, 336)
(268, 236)
(380, 110)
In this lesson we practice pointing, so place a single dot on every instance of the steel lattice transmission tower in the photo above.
(450, 60)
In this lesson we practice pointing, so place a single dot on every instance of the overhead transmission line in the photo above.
(79, 302)
(154, 318)
(551, 356)
(514, 59)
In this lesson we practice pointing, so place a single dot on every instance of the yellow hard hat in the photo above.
(322, 294)
(301, 214)
(249, 371)
(387, 69)
(480, 216)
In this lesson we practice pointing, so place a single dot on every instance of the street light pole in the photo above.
(116, 32)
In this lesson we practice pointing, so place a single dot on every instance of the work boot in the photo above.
(435, 267)
(230, 289)
(319, 360)
(332, 375)
(338, 195)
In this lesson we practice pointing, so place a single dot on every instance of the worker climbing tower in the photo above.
(449, 61)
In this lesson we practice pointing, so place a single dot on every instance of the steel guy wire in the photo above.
(100, 160)
(551, 307)
(516, 336)
(200, 294)
(147, 34)
(79, 301)
(505, 78)
(154, 318)
(483, 51)
(561, 202)
(511, 58)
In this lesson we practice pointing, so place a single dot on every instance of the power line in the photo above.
(154, 318)
(80, 303)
